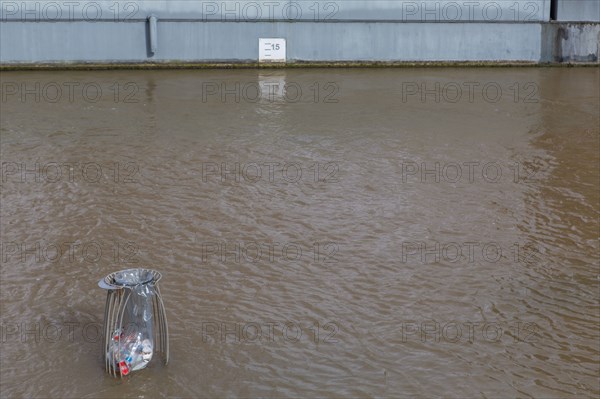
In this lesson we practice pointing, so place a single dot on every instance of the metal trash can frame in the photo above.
(120, 293)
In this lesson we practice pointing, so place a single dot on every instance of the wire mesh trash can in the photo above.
(135, 324)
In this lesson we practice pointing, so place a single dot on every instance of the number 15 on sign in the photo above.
(271, 50)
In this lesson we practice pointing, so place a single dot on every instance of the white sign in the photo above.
(271, 50)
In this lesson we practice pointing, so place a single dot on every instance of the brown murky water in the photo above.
(340, 233)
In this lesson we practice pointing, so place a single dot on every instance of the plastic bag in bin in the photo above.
(135, 321)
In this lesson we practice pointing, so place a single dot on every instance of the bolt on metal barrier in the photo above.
(135, 324)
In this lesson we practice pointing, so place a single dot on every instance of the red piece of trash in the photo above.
(123, 367)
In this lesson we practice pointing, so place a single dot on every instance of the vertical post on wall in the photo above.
(553, 9)
(152, 28)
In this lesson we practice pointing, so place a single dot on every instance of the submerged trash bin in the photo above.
(135, 324)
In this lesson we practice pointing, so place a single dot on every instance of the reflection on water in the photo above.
(425, 232)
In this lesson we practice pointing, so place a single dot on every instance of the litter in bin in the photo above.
(135, 323)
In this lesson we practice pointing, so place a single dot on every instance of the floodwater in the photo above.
(321, 233)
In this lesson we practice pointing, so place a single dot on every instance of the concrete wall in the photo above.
(338, 41)
(110, 31)
(570, 42)
(578, 10)
(279, 10)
